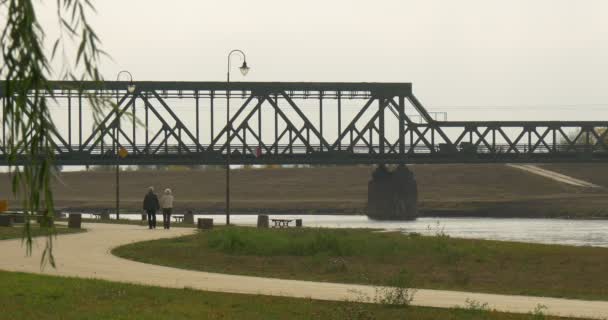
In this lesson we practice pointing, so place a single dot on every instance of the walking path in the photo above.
(554, 175)
(87, 255)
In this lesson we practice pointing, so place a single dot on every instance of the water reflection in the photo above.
(550, 231)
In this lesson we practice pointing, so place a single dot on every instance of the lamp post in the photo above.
(131, 90)
(244, 70)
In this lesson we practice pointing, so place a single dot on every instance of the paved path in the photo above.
(87, 255)
(554, 175)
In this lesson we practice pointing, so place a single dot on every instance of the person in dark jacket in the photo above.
(151, 205)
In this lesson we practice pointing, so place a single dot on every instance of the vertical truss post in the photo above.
(134, 125)
(260, 125)
(147, 127)
(114, 133)
(166, 129)
(587, 141)
(211, 100)
(80, 120)
(244, 141)
(70, 117)
(276, 126)
(371, 141)
(179, 137)
(530, 140)
(308, 135)
(339, 119)
(554, 141)
(102, 140)
(381, 124)
(4, 124)
(411, 148)
(401, 124)
(197, 117)
(290, 141)
(321, 117)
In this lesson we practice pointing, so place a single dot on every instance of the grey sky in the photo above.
(456, 53)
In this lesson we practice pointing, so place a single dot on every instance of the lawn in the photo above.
(367, 257)
(27, 296)
(18, 231)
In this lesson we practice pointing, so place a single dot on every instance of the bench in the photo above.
(281, 223)
(96, 216)
(178, 218)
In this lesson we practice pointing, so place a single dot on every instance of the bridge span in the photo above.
(289, 123)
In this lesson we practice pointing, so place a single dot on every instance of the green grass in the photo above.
(18, 231)
(27, 296)
(363, 256)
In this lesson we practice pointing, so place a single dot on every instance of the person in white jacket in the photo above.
(166, 203)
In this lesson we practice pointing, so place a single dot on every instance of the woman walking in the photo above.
(166, 203)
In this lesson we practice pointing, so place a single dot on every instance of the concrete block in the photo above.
(75, 221)
(45, 221)
(189, 217)
(205, 223)
(19, 218)
(263, 221)
(6, 220)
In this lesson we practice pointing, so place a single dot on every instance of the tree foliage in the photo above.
(26, 67)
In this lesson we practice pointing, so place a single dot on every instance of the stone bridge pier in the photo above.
(392, 195)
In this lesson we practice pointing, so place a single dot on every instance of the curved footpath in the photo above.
(87, 255)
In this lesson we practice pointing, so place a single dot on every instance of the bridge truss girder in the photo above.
(389, 125)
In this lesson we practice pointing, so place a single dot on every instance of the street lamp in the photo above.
(130, 89)
(244, 71)
(131, 85)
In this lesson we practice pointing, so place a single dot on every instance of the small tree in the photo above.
(26, 68)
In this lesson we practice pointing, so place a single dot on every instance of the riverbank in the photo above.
(444, 190)
(367, 257)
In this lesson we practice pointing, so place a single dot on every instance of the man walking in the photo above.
(151, 205)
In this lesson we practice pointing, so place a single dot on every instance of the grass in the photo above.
(492, 189)
(363, 256)
(17, 231)
(592, 172)
(27, 296)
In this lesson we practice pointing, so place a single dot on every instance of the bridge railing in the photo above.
(283, 149)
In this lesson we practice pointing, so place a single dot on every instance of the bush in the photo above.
(307, 242)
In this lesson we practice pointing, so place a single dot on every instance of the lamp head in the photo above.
(244, 68)
(131, 87)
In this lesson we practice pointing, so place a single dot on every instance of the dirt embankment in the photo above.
(453, 190)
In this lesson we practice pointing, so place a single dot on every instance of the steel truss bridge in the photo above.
(193, 123)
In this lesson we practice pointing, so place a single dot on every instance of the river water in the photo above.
(549, 231)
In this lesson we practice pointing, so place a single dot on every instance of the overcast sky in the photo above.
(542, 57)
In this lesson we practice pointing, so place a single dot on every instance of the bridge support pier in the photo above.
(392, 195)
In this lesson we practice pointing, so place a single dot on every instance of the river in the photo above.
(549, 231)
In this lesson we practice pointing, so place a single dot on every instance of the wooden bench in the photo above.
(281, 223)
(178, 218)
